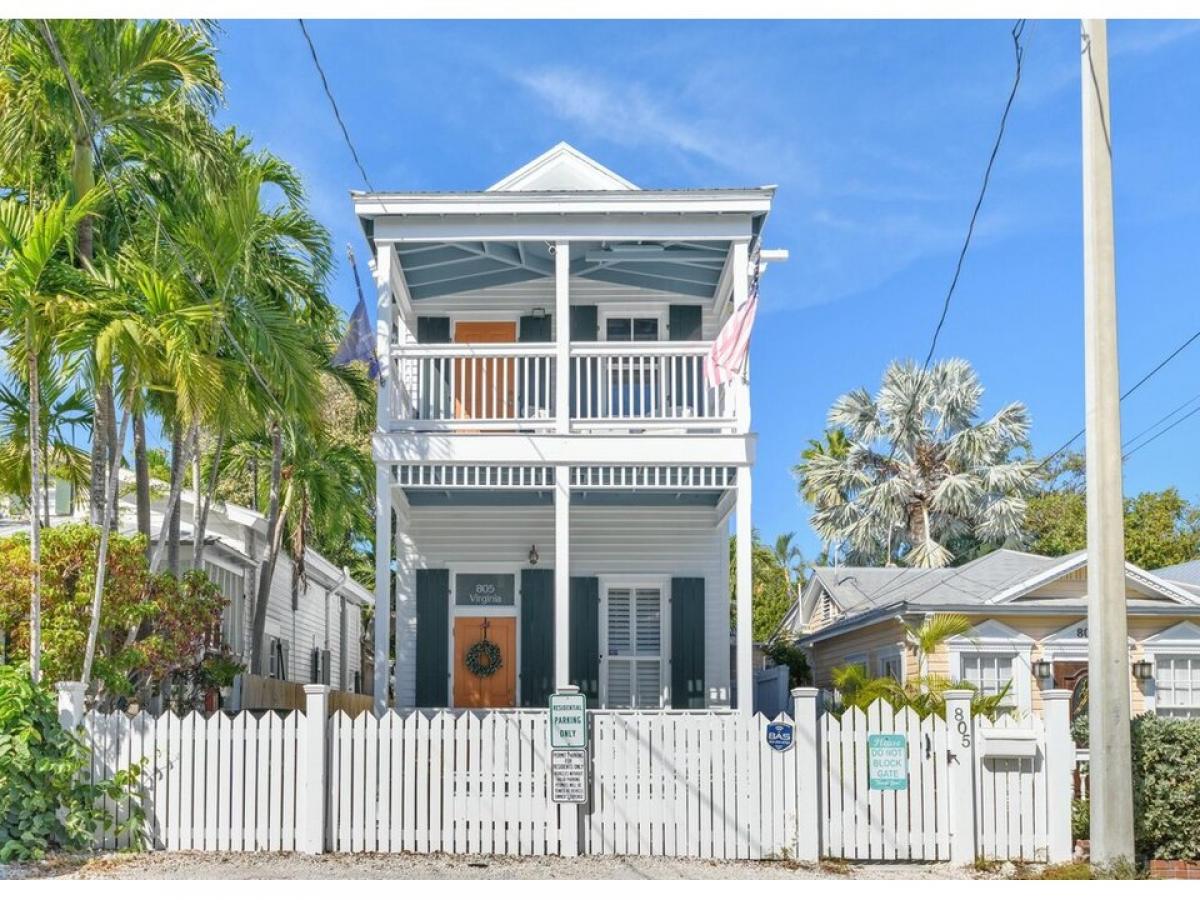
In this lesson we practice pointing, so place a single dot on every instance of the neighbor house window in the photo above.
(1177, 685)
(889, 665)
(633, 648)
(990, 673)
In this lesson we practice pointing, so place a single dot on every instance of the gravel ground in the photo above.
(370, 865)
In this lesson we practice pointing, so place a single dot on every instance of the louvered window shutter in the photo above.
(634, 647)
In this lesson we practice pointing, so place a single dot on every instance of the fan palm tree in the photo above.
(922, 470)
(128, 79)
(36, 279)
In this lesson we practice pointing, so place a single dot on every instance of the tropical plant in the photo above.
(773, 591)
(44, 804)
(922, 471)
(180, 617)
(36, 280)
(834, 444)
(130, 83)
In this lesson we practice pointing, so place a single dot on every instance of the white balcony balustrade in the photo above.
(613, 386)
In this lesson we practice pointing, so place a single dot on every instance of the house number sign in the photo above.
(472, 589)
(887, 762)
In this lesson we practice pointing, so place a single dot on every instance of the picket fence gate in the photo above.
(699, 783)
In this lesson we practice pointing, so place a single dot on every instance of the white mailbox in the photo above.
(1008, 743)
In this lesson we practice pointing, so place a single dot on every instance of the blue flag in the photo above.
(358, 344)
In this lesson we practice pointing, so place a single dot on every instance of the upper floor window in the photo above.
(631, 328)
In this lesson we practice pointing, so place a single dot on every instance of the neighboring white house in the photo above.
(316, 639)
(561, 474)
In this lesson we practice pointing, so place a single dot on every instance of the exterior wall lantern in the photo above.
(1143, 670)
(533, 555)
(1043, 668)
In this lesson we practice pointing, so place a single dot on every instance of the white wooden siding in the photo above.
(670, 541)
(524, 297)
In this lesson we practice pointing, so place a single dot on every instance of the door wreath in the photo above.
(483, 659)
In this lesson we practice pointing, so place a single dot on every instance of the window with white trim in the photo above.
(990, 673)
(889, 664)
(1177, 685)
(633, 647)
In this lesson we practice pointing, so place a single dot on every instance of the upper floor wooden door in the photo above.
(484, 388)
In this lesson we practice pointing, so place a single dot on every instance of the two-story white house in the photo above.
(556, 478)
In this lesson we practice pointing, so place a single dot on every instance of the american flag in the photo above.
(729, 357)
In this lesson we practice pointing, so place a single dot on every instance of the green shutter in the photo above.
(684, 323)
(537, 636)
(687, 643)
(535, 330)
(585, 323)
(433, 637)
(585, 326)
(433, 330)
(584, 665)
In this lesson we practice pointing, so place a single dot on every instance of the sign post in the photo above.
(569, 770)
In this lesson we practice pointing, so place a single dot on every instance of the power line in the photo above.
(1141, 381)
(1157, 422)
(1019, 53)
(1157, 435)
(333, 103)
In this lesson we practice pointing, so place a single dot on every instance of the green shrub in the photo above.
(1166, 787)
(44, 805)
(1081, 820)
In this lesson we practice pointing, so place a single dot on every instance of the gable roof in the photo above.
(1003, 577)
(563, 168)
(1181, 573)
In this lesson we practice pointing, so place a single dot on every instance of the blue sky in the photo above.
(875, 133)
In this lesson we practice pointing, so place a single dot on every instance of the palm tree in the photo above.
(65, 404)
(921, 470)
(36, 280)
(129, 80)
(834, 444)
(790, 557)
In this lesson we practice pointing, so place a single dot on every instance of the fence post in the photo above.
(960, 775)
(808, 759)
(316, 790)
(70, 704)
(1060, 763)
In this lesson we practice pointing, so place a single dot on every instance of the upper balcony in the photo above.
(613, 387)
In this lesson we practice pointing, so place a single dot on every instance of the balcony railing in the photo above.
(613, 386)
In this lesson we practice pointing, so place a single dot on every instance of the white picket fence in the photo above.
(697, 783)
(219, 783)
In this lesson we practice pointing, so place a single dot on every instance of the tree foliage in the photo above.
(1161, 527)
(775, 581)
(44, 804)
(179, 617)
(922, 473)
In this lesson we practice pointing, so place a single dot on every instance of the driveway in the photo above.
(372, 865)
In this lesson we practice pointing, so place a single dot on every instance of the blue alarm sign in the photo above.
(780, 736)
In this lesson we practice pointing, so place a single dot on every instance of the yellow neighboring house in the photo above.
(1029, 616)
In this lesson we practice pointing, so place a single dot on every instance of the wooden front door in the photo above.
(484, 388)
(1072, 676)
(498, 689)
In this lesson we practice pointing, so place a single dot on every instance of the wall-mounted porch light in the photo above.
(1043, 668)
(1143, 670)
(533, 555)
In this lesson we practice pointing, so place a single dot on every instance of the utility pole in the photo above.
(1108, 649)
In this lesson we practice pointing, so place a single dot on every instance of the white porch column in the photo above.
(741, 290)
(745, 615)
(406, 605)
(562, 575)
(562, 331)
(384, 413)
(383, 586)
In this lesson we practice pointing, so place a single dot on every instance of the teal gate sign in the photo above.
(887, 762)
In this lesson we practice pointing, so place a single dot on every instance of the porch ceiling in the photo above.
(438, 269)
(426, 497)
